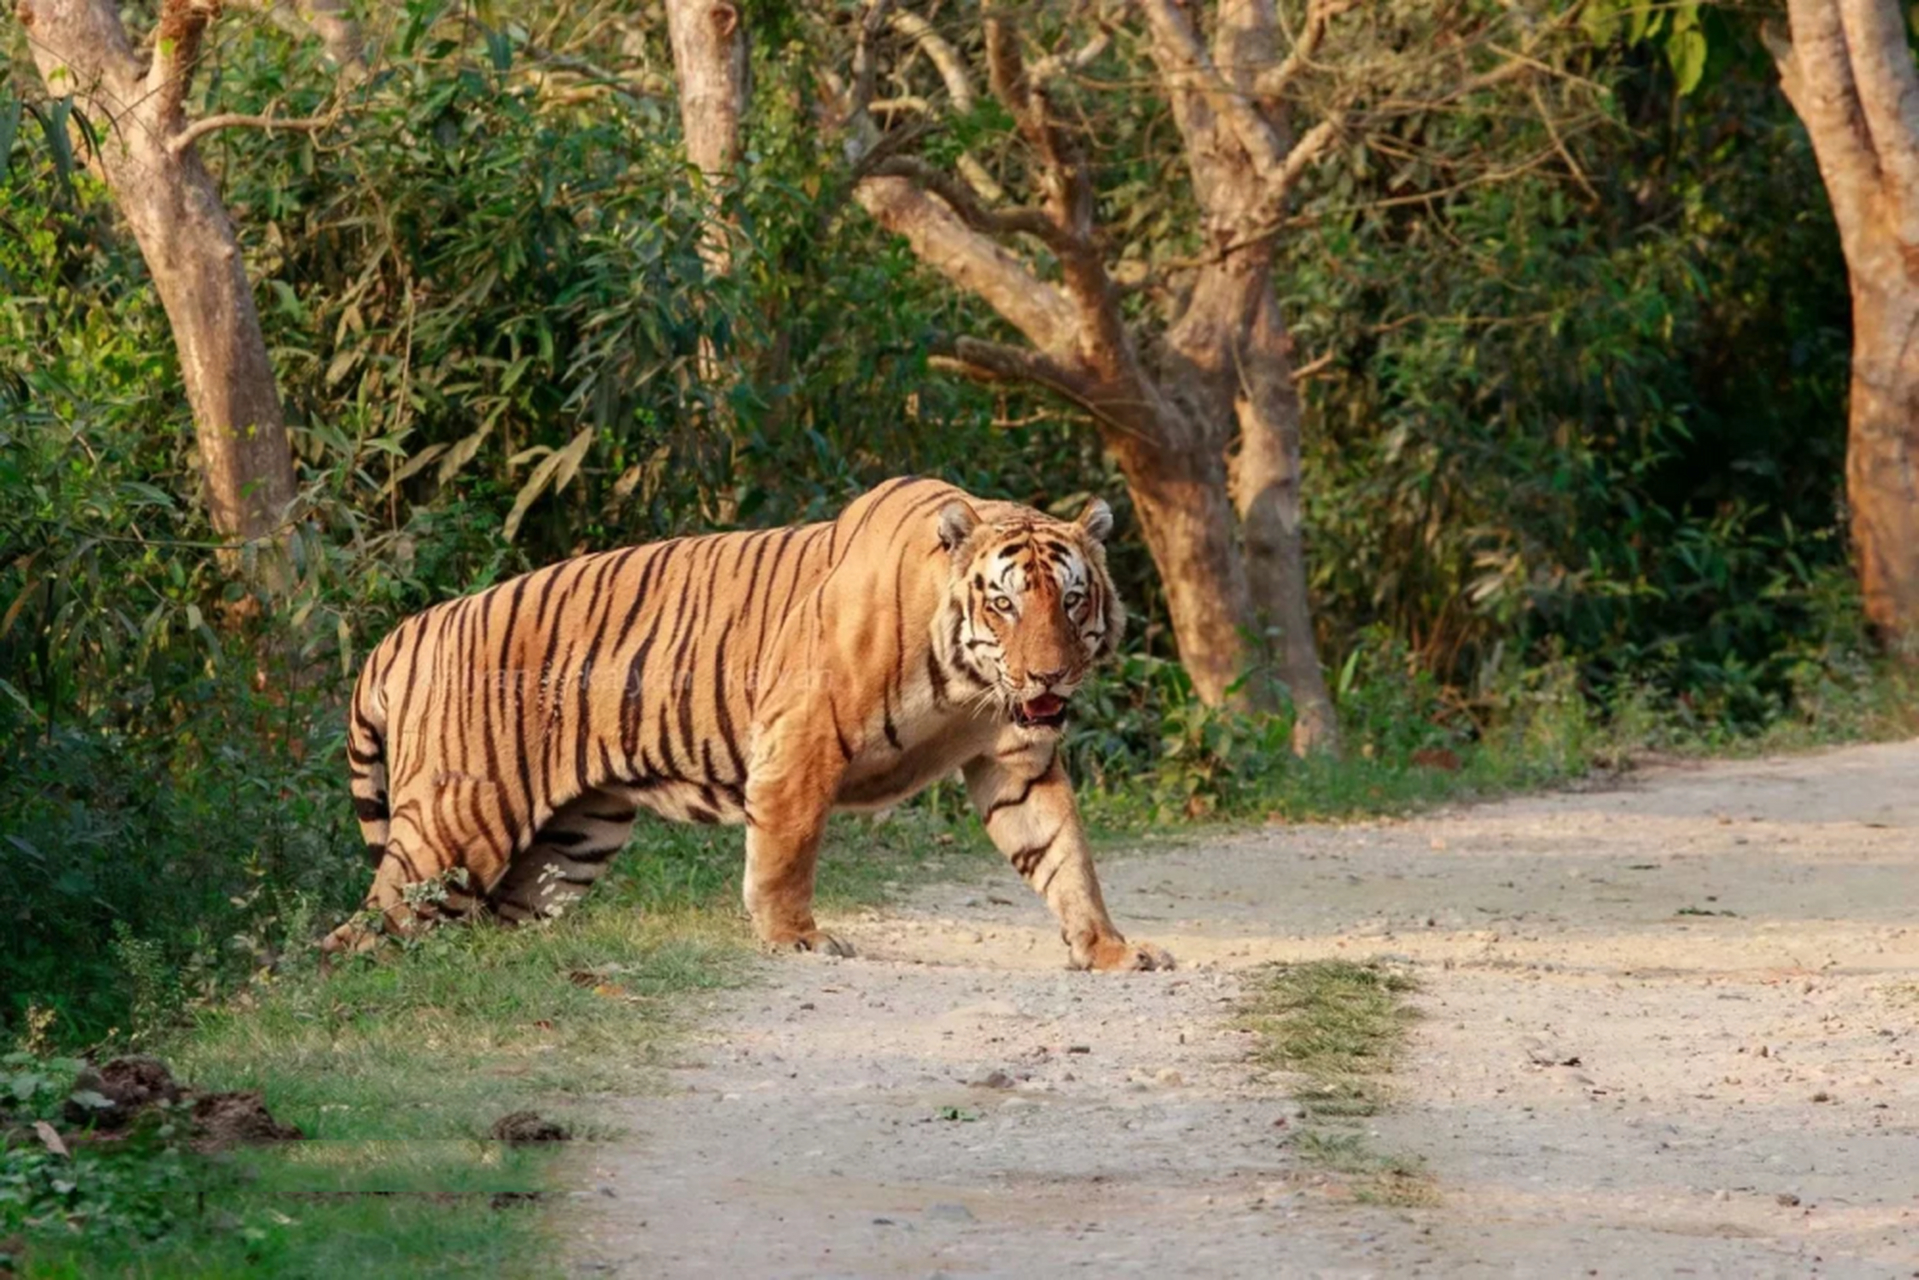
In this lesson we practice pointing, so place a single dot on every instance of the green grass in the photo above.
(395, 1067)
(1338, 1027)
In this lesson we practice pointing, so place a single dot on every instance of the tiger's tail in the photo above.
(366, 761)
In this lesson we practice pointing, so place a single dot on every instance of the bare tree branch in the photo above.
(180, 141)
(944, 57)
(959, 88)
(1069, 201)
(1815, 71)
(1033, 222)
(859, 94)
(972, 260)
(998, 362)
(1275, 81)
(1305, 153)
(176, 48)
(1056, 65)
(1189, 73)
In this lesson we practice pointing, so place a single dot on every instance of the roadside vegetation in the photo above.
(1565, 354)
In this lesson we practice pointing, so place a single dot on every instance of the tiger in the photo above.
(501, 745)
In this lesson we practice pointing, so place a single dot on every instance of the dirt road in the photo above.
(1604, 1083)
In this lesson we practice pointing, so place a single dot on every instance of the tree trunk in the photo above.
(174, 210)
(710, 63)
(1186, 518)
(1848, 71)
(1266, 490)
(1882, 455)
(1227, 361)
(194, 257)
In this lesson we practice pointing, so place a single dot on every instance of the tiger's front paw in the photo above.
(1114, 954)
(818, 941)
(351, 938)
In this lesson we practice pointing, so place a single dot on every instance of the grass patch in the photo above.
(1339, 1026)
(395, 1066)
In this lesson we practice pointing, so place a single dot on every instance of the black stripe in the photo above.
(682, 685)
(592, 857)
(766, 605)
(552, 647)
(1013, 802)
(1026, 860)
(935, 676)
(512, 726)
(1050, 875)
(722, 714)
(833, 710)
(633, 709)
(370, 808)
(744, 613)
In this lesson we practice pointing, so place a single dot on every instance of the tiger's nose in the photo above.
(1049, 678)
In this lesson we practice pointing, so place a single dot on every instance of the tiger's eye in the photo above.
(1002, 604)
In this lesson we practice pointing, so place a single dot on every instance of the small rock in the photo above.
(1787, 1198)
(1722, 1195)
(949, 1211)
(993, 1080)
(1079, 1048)
(1170, 1077)
(1822, 1096)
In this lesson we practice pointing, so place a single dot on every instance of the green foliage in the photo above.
(1596, 418)
(131, 1189)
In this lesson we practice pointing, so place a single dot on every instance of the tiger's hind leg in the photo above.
(445, 842)
(568, 855)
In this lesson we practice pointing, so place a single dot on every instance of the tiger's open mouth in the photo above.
(1048, 711)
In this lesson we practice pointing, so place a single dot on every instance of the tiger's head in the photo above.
(1034, 605)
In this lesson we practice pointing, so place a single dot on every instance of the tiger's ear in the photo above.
(957, 522)
(1097, 520)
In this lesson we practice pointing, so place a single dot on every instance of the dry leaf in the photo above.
(51, 1138)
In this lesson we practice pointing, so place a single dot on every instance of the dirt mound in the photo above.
(224, 1119)
(528, 1126)
(112, 1096)
(123, 1088)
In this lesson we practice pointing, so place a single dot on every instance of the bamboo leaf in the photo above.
(530, 492)
(571, 457)
(461, 453)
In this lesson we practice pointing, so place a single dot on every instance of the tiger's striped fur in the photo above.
(764, 678)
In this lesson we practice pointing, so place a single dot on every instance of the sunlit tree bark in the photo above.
(1848, 71)
(148, 158)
